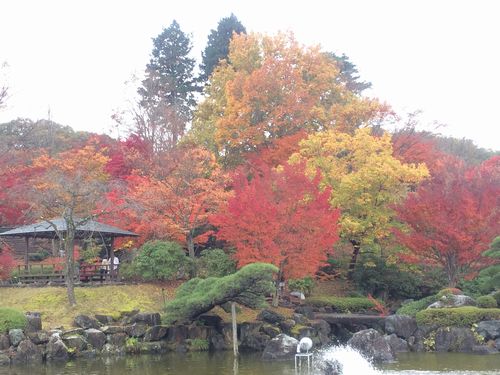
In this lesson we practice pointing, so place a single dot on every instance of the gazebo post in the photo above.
(112, 260)
(26, 256)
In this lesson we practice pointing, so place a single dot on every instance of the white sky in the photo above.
(440, 56)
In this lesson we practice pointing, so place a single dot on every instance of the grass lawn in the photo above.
(52, 303)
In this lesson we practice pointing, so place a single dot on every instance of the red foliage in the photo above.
(453, 217)
(279, 217)
(6, 262)
(378, 306)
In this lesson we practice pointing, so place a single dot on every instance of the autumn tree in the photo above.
(366, 181)
(167, 92)
(69, 186)
(177, 205)
(452, 218)
(217, 47)
(272, 87)
(281, 217)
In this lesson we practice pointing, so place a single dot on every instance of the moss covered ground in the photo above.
(51, 302)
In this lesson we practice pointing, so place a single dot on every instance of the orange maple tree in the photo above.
(281, 217)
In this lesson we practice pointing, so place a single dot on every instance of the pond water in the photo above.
(250, 364)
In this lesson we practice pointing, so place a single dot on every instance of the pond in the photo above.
(221, 363)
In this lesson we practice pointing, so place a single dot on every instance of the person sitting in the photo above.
(104, 267)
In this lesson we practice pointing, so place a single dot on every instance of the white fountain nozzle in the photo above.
(305, 344)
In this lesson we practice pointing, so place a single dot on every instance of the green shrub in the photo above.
(38, 256)
(342, 304)
(10, 319)
(485, 282)
(160, 260)
(456, 317)
(412, 308)
(198, 345)
(374, 275)
(305, 285)
(215, 263)
(449, 292)
(496, 296)
(486, 302)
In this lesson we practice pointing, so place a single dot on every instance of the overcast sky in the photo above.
(74, 57)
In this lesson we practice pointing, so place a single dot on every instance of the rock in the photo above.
(372, 344)
(452, 300)
(150, 319)
(27, 352)
(104, 319)
(95, 338)
(454, 339)
(299, 318)
(76, 342)
(282, 347)
(489, 329)
(416, 341)
(117, 339)
(497, 344)
(322, 327)
(251, 337)
(16, 336)
(4, 342)
(329, 367)
(72, 332)
(270, 316)
(136, 329)
(307, 311)
(34, 322)
(397, 345)
(39, 337)
(109, 330)
(484, 349)
(111, 350)
(298, 295)
(270, 330)
(401, 325)
(155, 333)
(86, 322)
(287, 325)
(177, 333)
(56, 350)
(198, 332)
(4, 359)
(210, 320)
(217, 342)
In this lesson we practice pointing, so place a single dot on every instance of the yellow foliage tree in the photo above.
(365, 178)
(272, 87)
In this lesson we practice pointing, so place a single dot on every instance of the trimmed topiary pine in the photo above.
(11, 319)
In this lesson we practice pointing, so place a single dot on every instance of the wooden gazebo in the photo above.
(85, 229)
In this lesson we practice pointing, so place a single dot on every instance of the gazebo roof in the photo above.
(84, 229)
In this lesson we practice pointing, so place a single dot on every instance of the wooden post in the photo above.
(112, 261)
(26, 255)
(235, 329)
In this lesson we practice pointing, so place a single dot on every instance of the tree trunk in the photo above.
(190, 244)
(235, 329)
(70, 265)
(355, 252)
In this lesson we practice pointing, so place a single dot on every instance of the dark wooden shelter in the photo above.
(52, 229)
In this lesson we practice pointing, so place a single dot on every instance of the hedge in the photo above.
(412, 308)
(342, 304)
(10, 319)
(457, 316)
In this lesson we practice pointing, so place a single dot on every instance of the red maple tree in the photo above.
(281, 217)
(453, 217)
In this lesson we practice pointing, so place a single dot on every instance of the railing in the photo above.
(39, 273)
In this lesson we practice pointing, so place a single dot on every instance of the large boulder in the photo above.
(489, 329)
(16, 336)
(117, 339)
(155, 333)
(4, 342)
(109, 330)
(4, 359)
(34, 322)
(484, 349)
(454, 339)
(270, 316)
(136, 329)
(252, 338)
(104, 319)
(112, 350)
(76, 342)
(397, 345)
(372, 345)
(307, 311)
(86, 322)
(56, 350)
(27, 352)
(452, 300)
(95, 338)
(39, 337)
(282, 347)
(401, 325)
(210, 320)
(150, 319)
(329, 366)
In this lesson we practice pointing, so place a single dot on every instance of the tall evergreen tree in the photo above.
(349, 75)
(218, 44)
(167, 92)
